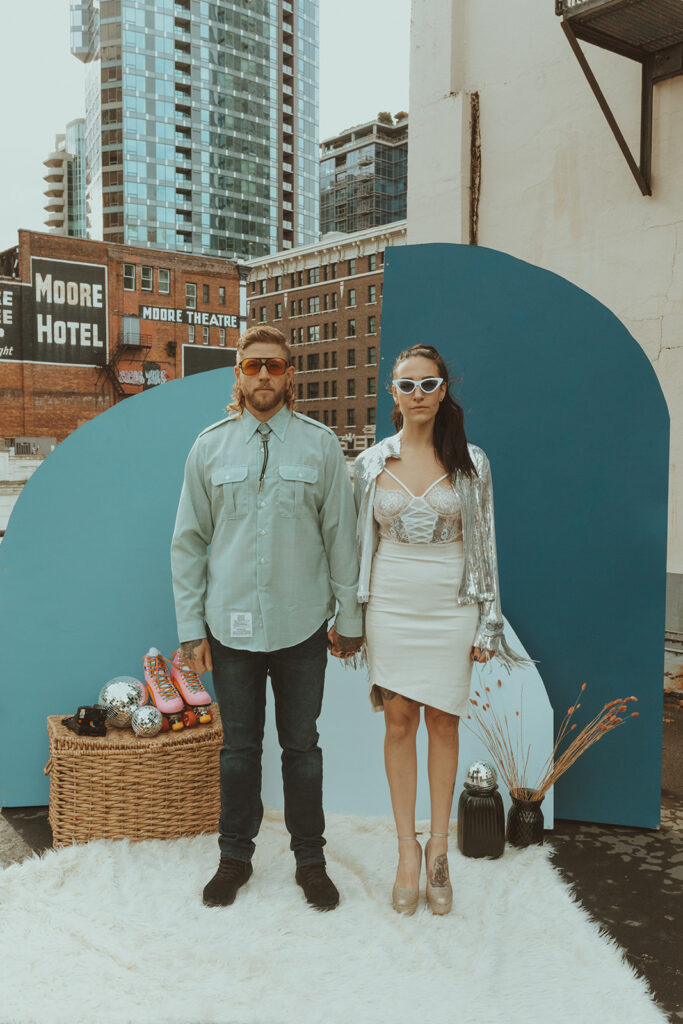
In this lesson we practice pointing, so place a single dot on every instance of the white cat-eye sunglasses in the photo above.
(406, 385)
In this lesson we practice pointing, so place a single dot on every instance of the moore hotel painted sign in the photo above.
(59, 318)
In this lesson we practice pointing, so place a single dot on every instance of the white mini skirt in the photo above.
(418, 637)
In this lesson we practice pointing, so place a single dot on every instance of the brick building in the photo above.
(326, 298)
(84, 324)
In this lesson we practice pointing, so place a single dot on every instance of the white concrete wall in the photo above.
(555, 188)
(15, 470)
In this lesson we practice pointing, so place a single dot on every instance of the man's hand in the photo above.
(197, 653)
(481, 654)
(343, 646)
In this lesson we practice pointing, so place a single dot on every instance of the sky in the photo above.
(364, 52)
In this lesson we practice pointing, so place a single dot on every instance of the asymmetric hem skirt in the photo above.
(418, 637)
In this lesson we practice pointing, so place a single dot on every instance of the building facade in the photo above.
(64, 178)
(84, 324)
(364, 176)
(327, 301)
(201, 123)
(511, 150)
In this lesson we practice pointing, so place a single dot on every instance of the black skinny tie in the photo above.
(264, 431)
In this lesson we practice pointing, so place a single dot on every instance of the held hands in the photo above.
(481, 654)
(343, 646)
(197, 653)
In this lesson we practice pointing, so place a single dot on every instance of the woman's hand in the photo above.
(481, 654)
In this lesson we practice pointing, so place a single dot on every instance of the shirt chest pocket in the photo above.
(296, 490)
(230, 485)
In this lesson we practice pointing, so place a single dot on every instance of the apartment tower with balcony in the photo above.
(201, 122)
(65, 209)
(364, 176)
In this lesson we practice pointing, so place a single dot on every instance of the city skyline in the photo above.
(383, 84)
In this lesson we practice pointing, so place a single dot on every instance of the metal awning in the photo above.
(647, 31)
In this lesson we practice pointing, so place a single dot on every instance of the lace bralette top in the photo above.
(430, 518)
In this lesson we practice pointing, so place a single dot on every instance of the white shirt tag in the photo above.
(240, 624)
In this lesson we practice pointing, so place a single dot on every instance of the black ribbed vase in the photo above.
(481, 822)
(525, 820)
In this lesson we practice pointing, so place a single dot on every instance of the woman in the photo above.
(429, 583)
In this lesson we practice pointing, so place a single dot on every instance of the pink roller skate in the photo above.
(162, 691)
(189, 686)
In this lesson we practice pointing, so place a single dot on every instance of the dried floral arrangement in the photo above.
(494, 730)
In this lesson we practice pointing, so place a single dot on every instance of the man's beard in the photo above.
(266, 400)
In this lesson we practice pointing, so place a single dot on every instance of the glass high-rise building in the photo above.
(65, 205)
(364, 176)
(201, 122)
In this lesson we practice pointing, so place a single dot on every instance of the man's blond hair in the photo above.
(273, 336)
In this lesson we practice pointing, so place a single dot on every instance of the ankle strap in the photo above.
(401, 838)
(439, 835)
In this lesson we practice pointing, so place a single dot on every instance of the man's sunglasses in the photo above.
(252, 366)
(406, 385)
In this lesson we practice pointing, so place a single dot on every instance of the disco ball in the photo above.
(146, 721)
(120, 697)
(481, 775)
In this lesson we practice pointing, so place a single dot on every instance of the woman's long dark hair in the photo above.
(450, 442)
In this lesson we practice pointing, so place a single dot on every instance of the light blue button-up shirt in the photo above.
(265, 565)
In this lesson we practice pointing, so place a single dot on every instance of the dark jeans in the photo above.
(239, 678)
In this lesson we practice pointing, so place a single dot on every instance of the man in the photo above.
(267, 492)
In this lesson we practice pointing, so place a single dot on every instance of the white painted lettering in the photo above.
(86, 294)
(59, 330)
(44, 328)
(71, 293)
(97, 296)
(96, 337)
(58, 292)
(72, 325)
(44, 288)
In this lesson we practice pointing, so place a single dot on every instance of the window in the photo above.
(278, 311)
(221, 296)
(351, 357)
(372, 355)
(301, 335)
(326, 360)
(326, 331)
(191, 295)
(205, 335)
(205, 294)
(350, 328)
(372, 386)
(333, 270)
(314, 275)
(277, 282)
(372, 325)
(333, 360)
(334, 329)
(326, 389)
(292, 280)
(372, 262)
(292, 309)
(372, 416)
(333, 418)
(129, 277)
(352, 266)
(381, 259)
(300, 391)
(262, 286)
(313, 361)
(293, 336)
(164, 281)
(300, 278)
(350, 388)
(253, 287)
(221, 335)
(372, 293)
(300, 307)
(313, 389)
(253, 313)
(131, 330)
(350, 417)
(314, 333)
(335, 300)
(262, 314)
(351, 297)
(190, 334)
(326, 301)
(326, 272)
(300, 363)
(314, 304)
(333, 388)
(326, 417)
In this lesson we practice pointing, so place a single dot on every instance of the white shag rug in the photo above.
(115, 932)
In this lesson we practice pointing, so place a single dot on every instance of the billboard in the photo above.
(59, 318)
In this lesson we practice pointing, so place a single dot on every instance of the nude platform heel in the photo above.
(440, 896)
(404, 900)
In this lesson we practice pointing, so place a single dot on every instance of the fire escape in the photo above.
(127, 348)
(647, 31)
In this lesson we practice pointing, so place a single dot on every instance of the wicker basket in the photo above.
(121, 786)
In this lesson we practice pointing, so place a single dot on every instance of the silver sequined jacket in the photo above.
(480, 574)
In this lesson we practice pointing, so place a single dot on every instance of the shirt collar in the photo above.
(277, 423)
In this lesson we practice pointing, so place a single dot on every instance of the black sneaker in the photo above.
(222, 889)
(318, 888)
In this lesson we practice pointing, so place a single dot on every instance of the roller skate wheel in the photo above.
(177, 726)
(189, 718)
(206, 717)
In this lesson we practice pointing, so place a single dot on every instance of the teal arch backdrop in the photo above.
(568, 409)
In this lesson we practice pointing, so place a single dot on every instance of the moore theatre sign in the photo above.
(188, 316)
